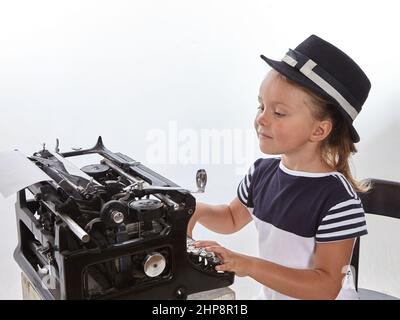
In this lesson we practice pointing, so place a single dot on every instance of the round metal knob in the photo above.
(117, 216)
(113, 213)
(201, 179)
(154, 264)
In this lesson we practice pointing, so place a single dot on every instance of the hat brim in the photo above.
(295, 75)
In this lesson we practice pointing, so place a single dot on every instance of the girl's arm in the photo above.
(324, 281)
(220, 218)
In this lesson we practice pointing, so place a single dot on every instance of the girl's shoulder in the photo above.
(339, 192)
(342, 186)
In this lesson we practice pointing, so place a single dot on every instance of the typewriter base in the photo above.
(30, 293)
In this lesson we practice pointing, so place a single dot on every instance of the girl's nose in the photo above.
(262, 118)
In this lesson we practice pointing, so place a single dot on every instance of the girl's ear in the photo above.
(321, 131)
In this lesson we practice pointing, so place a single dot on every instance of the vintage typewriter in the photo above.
(117, 230)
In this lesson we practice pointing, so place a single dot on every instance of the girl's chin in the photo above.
(268, 149)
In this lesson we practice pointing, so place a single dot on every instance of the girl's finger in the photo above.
(223, 267)
(216, 249)
(220, 252)
(205, 243)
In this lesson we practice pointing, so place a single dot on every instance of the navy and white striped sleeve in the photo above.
(344, 220)
(244, 190)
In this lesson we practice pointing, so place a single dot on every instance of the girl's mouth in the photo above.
(264, 136)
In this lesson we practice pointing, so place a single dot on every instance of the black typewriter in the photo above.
(115, 231)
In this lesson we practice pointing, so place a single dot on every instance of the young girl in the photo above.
(304, 204)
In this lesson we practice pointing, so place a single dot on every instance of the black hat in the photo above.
(328, 71)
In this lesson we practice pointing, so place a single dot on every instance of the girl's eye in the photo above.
(279, 115)
(260, 108)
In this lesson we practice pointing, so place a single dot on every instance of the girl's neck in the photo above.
(308, 163)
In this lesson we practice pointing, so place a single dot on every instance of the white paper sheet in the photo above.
(17, 172)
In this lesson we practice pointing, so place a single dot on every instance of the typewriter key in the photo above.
(203, 253)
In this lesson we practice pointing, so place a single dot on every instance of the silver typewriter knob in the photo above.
(154, 264)
(117, 216)
(113, 213)
(201, 180)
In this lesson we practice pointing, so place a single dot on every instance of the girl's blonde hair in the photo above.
(338, 147)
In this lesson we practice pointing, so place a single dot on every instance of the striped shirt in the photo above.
(293, 210)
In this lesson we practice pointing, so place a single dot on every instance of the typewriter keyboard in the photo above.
(199, 256)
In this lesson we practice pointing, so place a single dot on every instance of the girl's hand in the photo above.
(231, 261)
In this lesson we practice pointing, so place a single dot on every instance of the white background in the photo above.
(74, 70)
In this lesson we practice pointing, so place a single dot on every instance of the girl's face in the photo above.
(284, 122)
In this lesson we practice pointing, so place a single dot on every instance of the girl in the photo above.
(304, 204)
